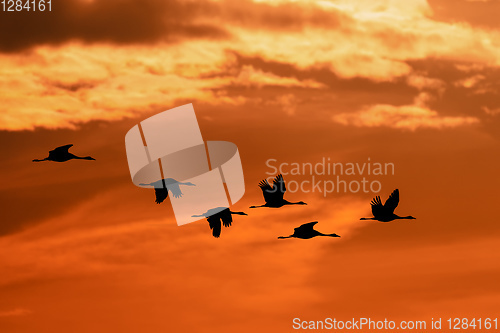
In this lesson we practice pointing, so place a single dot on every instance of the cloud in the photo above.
(140, 249)
(288, 103)
(107, 69)
(474, 12)
(411, 117)
(126, 22)
(470, 82)
(491, 112)
(377, 43)
(249, 76)
(116, 21)
(422, 82)
(470, 67)
(92, 233)
(18, 312)
(80, 85)
(285, 16)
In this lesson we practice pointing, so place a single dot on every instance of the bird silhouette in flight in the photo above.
(385, 212)
(162, 187)
(61, 154)
(307, 231)
(274, 195)
(216, 215)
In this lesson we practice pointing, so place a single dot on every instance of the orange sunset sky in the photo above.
(414, 83)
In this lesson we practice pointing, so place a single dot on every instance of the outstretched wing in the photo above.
(161, 194)
(61, 150)
(175, 189)
(226, 217)
(215, 225)
(306, 227)
(267, 190)
(377, 207)
(279, 185)
(392, 202)
(275, 193)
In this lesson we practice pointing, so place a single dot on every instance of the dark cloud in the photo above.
(476, 13)
(453, 99)
(33, 192)
(150, 21)
(319, 73)
(29, 205)
(354, 92)
(291, 16)
(458, 99)
(117, 21)
(72, 86)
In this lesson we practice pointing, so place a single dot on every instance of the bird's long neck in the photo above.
(330, 235)
(367, 218)
(197, 215)
(187, 183)
(292, 203)
(238, 213)
(283, 237)
(257, 206)
(404, 217)
(36, 160)
(84, 158)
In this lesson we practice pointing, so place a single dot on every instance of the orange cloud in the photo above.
(491, 112)
(119, 77)
(470, 82)
(15, 312)
(249, 76)
(472, 12)
(422, 82)
(409, 117)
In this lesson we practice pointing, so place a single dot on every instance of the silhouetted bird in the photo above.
(274, 195)
(214, 217)
(162, 187)
(61, 154)
(307, 231)
(385, 212)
